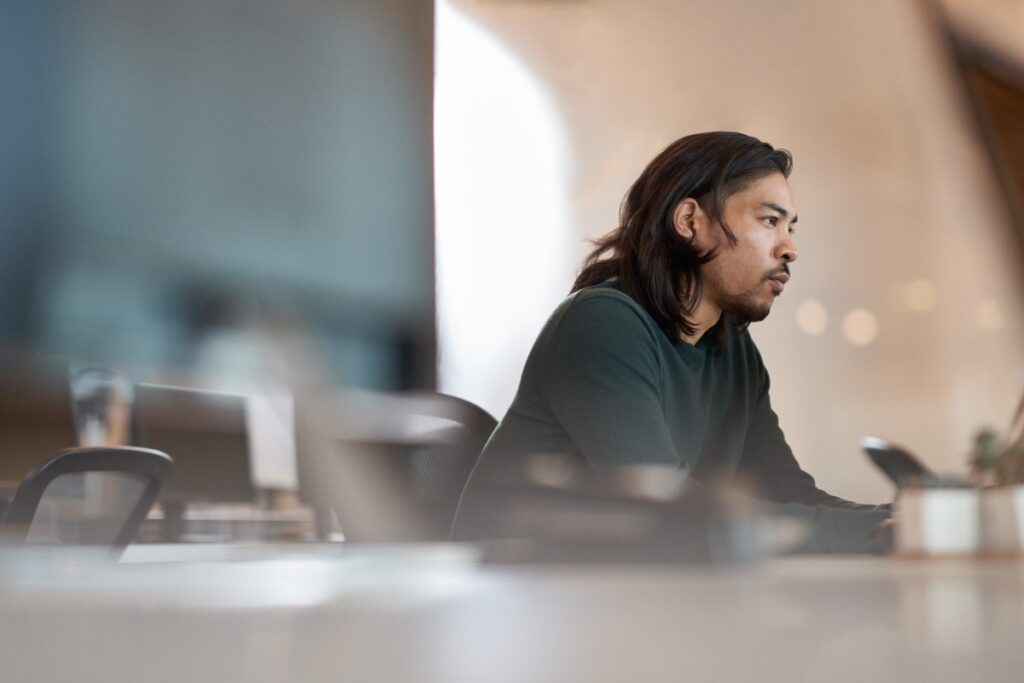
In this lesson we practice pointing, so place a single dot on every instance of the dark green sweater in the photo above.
(603, 385)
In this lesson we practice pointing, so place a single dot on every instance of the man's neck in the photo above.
(703, 319)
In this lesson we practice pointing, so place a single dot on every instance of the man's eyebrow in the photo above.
(775, 207)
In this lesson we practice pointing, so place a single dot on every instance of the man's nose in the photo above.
(787, 252)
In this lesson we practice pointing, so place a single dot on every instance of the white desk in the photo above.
(327, 613)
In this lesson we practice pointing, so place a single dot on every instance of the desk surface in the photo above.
(328, 613)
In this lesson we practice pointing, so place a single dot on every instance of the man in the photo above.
(649, 360)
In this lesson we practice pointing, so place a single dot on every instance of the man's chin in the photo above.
(753, 316)
(759, 315)
(748, 310)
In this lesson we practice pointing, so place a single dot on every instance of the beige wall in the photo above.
(890, 184)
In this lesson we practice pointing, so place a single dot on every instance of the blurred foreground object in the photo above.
(636, 514)
(87, 496)
(427, 614)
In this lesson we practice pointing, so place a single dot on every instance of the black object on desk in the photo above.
(901, 466)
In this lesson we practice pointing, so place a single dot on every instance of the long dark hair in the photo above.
(649, 260)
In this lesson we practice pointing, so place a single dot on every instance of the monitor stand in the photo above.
(173, 523)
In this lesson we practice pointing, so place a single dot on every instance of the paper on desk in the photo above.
(270, 419)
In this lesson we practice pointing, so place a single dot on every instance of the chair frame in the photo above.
(153, 465)
(371, 488)
(477, 419)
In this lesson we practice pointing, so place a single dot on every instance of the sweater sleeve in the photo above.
(768, 464)
(604, 382)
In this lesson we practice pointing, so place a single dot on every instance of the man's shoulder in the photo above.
(600, 328)
(597, 320)
(607, 294)
(603, 305)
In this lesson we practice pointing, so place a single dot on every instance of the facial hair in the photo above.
(745, 307)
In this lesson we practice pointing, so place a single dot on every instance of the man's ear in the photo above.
(689, 220)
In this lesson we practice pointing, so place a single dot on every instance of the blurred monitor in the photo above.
(165, 166)
(36, 413)
(205, 434)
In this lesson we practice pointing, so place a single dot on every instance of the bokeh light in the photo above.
(860, 327)
(990, 315)
(812, 318)
(919, 295)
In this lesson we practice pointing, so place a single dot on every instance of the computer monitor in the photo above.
(173, 170)
(36, 413)
(205, 433)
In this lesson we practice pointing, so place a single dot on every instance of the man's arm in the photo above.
(769, 466)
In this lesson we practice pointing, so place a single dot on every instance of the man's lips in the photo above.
(778, 281)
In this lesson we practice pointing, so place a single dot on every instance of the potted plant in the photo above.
(998, 466)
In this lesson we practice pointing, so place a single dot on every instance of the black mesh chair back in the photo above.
(438, 471)
(87, 496)
(397, 467)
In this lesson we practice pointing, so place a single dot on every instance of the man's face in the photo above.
(744, 279)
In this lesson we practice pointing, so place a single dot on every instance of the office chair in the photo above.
(87, 496)
(397, 467)
(440, 470)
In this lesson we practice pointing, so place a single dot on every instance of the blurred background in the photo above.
(411, 185)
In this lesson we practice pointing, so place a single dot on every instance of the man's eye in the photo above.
(792, 230)
(771, 220)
